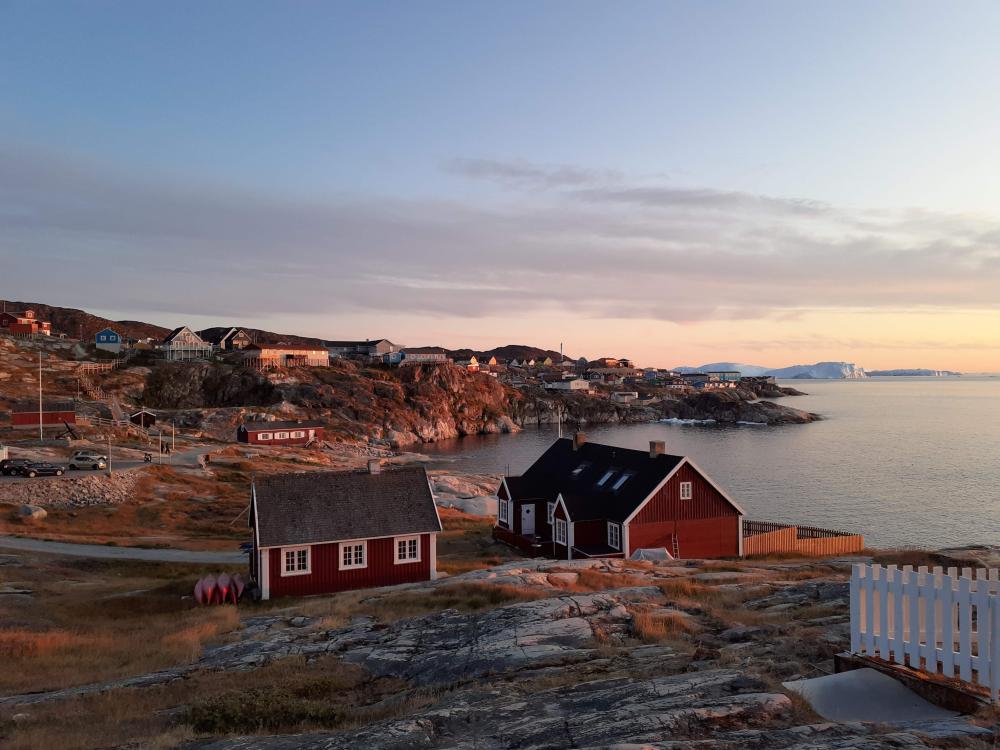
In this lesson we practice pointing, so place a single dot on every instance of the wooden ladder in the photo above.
(676, 547)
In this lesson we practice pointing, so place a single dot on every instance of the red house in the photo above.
(24, 414)
(583, 500)
(280, 433)
(23, 324)
(321, 532)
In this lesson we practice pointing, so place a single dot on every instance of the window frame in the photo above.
(562, 526)
(285, 551)
(503, 512)
(687, 490)
(615, 538)
(363, 543)
(625, 476)
(281, 436)
(298, 434)
(265, 435)
(550, 512)
(607, 476)
(396, 540)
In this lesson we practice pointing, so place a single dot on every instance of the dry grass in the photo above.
(289, 695)
(589, 580)
(467, 544)
(657, 625)
(90, 621)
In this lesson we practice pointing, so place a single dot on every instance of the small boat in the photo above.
(208, 585)
(199, 592)
(223, 584)
(238, 586)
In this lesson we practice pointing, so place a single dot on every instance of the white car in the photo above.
(88, 460)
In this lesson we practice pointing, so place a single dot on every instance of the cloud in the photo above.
(591, 248)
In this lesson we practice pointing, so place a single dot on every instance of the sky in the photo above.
(772, 183)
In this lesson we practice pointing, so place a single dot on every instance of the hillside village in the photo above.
(256, 505)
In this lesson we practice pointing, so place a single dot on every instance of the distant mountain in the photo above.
(818, 371)
(914, 373)
(746, 370)
(519, 352)
(80, 324)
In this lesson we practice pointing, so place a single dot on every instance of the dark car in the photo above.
(10, 466)
(40, 469)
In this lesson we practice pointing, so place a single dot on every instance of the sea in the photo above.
(908, 462)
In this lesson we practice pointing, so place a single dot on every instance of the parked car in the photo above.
(34, 469)
(11, 466)
(88, 460)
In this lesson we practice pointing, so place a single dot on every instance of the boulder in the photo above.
(32, 513)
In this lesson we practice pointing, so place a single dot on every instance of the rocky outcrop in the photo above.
(730, 407)
(192, 385)
(72, 492)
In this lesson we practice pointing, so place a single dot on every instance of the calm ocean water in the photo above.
(906, 461)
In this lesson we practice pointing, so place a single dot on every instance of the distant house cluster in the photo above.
(24, 323)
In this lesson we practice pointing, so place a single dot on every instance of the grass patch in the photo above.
(658, 625)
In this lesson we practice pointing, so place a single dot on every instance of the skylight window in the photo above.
(606, 477)
(622, 479)
(583, 465)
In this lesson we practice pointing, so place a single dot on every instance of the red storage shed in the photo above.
(24, 414)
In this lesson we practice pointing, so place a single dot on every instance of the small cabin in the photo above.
(24, 415)
(108, 340)
(144, 418)
(323, 532)
(280, 433)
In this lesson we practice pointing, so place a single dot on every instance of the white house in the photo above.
(578, 385)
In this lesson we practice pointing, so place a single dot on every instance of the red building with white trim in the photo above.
(322, 532)
(280, 433)
(584, 499)
(23, 323)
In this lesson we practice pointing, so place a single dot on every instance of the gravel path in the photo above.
(122, 553)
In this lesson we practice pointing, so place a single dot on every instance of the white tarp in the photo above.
(654, 553)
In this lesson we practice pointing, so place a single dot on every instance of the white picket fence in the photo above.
(938, 620)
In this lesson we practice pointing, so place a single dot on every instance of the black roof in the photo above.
(272, 426)
(315, 507)
(217, 334)
(630, 476)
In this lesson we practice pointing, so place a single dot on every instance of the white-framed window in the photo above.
(296, 561)
(281, 436)
(298, 434)
(551, 512)
(614, 536)
(560, 533)
(264, 436)
(353, 555)
(503, 510)
(686, 491)
(605, 478)
(407, 549)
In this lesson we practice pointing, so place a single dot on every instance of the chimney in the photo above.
(374, 466)
(579, 439)
(657, 448)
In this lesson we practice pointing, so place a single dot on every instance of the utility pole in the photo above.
(41, 431)
(173, 436)
(160, 436)
(109, 452)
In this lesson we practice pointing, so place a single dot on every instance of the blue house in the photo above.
(108, 340)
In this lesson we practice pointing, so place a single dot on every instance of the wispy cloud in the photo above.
(598, 245)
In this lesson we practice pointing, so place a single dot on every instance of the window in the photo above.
(281, 436)
(264, 436)
(552, 512)
(685, 491)
(298, 434)
(583, 465)
(560, 531)
(353, 555)
(622, 479)
(606, 477)
(407, 549)
(614, 535)
(503, 511)
(297, 561)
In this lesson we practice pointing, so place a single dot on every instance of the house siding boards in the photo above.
(707, 525)
(325, 576)
(24, 416)
(183, 344)
(108, 340)
(267, 433)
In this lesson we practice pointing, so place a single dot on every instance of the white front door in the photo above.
(528, 520)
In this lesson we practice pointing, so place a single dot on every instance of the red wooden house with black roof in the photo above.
(584, 499)
(321, 532)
